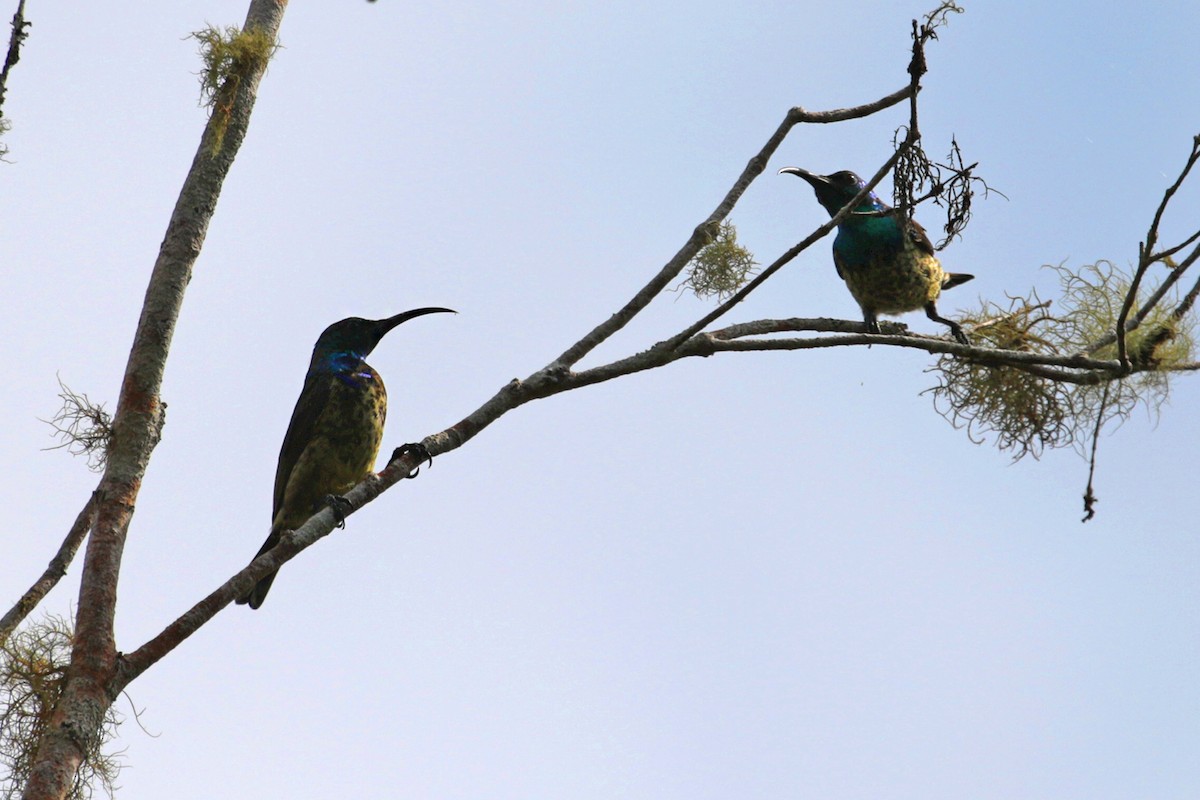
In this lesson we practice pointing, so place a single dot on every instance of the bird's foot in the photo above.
(955, 329)
(340, 507)
(417, 449)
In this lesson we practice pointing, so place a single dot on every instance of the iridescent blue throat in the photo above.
(347, 365)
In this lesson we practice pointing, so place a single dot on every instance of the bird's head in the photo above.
(836, 190)
(357, 337)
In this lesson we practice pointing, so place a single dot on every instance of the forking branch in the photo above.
(762, 335)
(559, 376)
(555, 378)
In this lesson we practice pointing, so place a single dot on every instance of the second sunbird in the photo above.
(887, 262)
(333, 438)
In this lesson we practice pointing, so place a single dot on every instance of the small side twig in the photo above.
(82, 427)
(1147, 254)
(19, 33)
(54, 571)
(1089, 495)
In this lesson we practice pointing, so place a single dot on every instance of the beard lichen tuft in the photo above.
(1093, 297)
(229, 55)
(721, 268)
(82, 427)
(1027, 413)
(1024, 412)
(33, 673)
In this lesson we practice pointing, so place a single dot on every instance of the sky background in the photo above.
(751, 576)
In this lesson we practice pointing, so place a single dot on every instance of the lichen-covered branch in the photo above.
(553, 380)
(88, 693)
(1147, 253)
(20, 31)
(34, 663)
(55, 570)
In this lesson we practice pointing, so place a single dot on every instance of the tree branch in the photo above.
(553, 380)
(19, 24)
(1170, 251)
(1089, 494)
(1146, 254)
(54, 571)
(131, 665)
(1185, 305)
(79, 713)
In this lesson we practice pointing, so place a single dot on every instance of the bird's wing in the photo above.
(313, 399)
(920, 238)
(837, 264)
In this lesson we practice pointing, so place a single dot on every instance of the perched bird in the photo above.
(333, 438)
(887, 264)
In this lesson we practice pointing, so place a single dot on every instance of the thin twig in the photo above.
(1185, 305)
(1146, 255)
(1144, 311)
(1162, 255)
(1152, 233)
(19, 33)
(1089, 496)
(55, 571)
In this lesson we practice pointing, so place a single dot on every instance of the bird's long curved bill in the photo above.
(812, 177)
(386, 325)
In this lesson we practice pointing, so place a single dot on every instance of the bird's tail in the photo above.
(254, 598)
(953, 279)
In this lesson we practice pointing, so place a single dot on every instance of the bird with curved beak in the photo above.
(887, 263)
(337, 425)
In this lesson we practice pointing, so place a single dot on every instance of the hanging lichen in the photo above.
(229, 56)
(722, 267)
(1026, 412)
(33, 673)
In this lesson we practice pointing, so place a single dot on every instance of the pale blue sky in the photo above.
(758, 576)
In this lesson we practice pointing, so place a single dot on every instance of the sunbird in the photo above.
(887, 262)
(337, 425)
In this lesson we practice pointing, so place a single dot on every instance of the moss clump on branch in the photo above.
(33, 674)
(1027, 412)
(229, 55)
(722, 267)
(1092, 298)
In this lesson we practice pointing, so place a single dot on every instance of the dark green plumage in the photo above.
(889, 266)
(337, 425)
